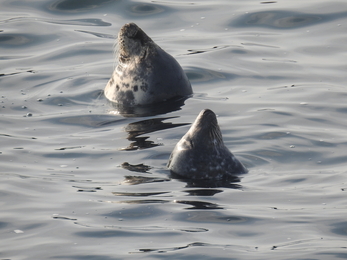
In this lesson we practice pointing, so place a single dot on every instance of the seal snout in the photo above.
(207, 113)
(133, 42)
(129, 30)
(132, 31)
(205, 127)
(207, 119)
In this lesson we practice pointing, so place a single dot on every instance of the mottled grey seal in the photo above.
(201, 153)
(146, 74)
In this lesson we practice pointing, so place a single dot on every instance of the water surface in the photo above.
(80, 182)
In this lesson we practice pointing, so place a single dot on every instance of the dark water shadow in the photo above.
(151, 197)
(148, 110)
(143, 127)
(203, 192)
(336, 255)
(222, 247)
(144, 201)
(146, 9)
(207, 187)
(78, 6)
(139, 194)
(196, 188)
(231, 183)
(199, 204)
(3, 225)
(199, 75)
(24, 40)
(278, 19)
(97, 34)
(339, 228)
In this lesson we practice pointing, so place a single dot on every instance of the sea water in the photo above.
(79, 181)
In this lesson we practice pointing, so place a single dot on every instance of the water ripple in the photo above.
(284, 20)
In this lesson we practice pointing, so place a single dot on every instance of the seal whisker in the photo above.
(115, 54)
(216, 135)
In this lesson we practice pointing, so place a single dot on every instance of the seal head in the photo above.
(145, 74)
(201, 153)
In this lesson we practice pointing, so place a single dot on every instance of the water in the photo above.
(78, 182)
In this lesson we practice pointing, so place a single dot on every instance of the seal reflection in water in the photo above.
(146, 74)
(201, 153)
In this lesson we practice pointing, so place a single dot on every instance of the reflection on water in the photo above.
(135, 180)
(87, 189)
(211, 216)
(135, 168)
(231, 182)
(149, 126)
(216, 184)
(164, 250)
(140, 143)
(202, 192)
(222, 250)
(144, 127)
(147, 110)
(138, 194)
(206, 185)
(199, 204)
(145, 201)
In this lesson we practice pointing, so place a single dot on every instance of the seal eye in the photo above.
(123, 58)
(144, 54)
(191, 143)
(137, 35)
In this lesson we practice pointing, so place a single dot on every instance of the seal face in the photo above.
(145, 74)
(201, 153)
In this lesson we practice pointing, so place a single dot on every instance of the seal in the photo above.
(145, 73)
(201, 153)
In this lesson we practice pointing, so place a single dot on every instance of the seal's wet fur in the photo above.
(201, 153)
(146, 74)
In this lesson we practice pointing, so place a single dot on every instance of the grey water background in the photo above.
(79, 181)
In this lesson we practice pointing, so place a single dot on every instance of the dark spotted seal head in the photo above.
(201, 153)
(145, 73)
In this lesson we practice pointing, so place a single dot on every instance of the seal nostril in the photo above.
(134, 35)
(208, 111)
